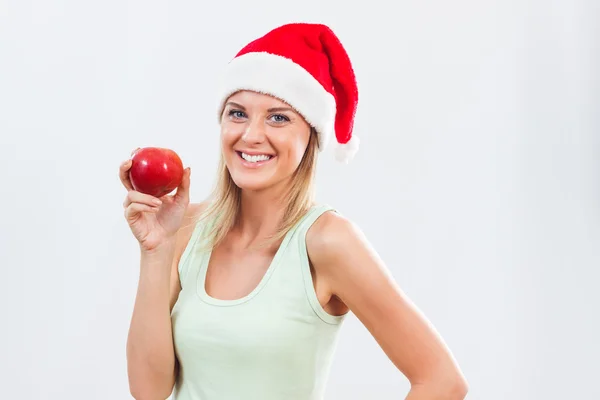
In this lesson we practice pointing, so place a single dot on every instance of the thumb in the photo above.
(183, 190)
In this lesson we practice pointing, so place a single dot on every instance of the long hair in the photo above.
(223, 209)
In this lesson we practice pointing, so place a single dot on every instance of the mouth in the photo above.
(254, 160)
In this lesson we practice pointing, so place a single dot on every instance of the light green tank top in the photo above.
(276, 343)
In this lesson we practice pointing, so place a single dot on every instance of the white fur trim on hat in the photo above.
(282, 78)
(345, 152)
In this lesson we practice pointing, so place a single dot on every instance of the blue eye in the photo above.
(279, 118)
(237, 114)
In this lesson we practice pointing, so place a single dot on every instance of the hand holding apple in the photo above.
(149, 175)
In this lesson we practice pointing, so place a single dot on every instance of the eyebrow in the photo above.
(236, 105)
(277, 109)
(274, 109)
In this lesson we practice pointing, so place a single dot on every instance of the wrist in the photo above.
(162, 250)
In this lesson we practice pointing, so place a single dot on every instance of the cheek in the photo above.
(293, 146)
(230, 134)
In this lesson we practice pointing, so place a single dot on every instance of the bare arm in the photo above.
(355, 273)
(151, 362)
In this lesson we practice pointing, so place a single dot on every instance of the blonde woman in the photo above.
(242, 296)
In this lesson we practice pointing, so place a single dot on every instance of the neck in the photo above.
(261, 213)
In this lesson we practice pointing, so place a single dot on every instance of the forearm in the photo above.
(436, 391)
(150, 351)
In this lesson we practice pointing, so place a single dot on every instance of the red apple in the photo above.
(155, 171)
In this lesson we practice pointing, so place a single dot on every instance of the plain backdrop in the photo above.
(478, 179)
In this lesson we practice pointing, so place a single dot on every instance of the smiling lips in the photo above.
(254, 160)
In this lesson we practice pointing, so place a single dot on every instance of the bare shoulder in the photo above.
(193, 212)
(330, 235)
(195, 209)
(335, 246)
(342, 255)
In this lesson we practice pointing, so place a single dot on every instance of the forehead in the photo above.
(249, 98)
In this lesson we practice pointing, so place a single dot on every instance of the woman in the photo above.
(242, 296)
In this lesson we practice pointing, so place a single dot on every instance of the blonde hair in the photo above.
(223, 209)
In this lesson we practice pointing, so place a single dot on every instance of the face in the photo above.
(263, 140)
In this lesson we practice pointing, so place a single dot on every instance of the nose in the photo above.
(254, 133)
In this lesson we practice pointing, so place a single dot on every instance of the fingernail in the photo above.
(157, 202)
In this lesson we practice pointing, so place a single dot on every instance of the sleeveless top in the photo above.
(275, 343)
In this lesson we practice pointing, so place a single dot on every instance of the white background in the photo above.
(478, 180)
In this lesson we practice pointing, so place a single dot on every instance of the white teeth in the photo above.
(256, 158)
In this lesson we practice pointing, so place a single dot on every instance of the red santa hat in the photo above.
(306, 66)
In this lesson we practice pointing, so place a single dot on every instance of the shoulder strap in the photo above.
(199, 229)
(311, 216)
(307, 281)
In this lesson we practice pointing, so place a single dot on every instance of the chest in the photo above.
(234, 274)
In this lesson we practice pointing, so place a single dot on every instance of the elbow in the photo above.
(150, 386)
(150, 380)
(452, 389)
(147, 392)
(446, 389)
(458, 390)
(451, 383)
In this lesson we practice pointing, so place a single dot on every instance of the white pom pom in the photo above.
(345, 152)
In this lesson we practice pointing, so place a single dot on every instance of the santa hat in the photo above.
(306, 66)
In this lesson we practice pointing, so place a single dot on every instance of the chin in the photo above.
(253, 184)
(253, 180)
(253, 177)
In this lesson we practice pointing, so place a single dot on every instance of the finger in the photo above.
(124, 174)
(183, 190)
(141, 198)
(134, 209)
